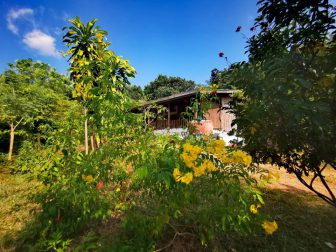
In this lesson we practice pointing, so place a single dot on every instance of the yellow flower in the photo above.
(217, 148)
(187, 160)
(254, 208)
(190, 154)
(270, 227)
(192, 150)
(199, 171)
(187, 178)
(177, 174)
(239, 156)
(219, 143)
(210, 165)
(89, 179)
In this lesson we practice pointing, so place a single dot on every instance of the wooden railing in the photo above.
(224, 124)
(172, 124)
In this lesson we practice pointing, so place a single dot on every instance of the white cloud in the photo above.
(16, 14)
(41, 42)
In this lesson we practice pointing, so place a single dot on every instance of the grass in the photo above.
(15, 207)
(306, 223)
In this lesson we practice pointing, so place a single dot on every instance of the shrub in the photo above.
(196, 188)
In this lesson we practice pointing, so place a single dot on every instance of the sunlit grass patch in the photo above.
(15, 207)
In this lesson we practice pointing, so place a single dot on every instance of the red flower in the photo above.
(221, 54)
(213, 92)
(238, 28)
(100, 185)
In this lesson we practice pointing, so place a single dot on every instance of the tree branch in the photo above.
(322, 196)
(18, 123)
(327, 187)
(175, 235)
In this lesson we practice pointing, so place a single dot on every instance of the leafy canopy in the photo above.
(164, 86)
(286, 108)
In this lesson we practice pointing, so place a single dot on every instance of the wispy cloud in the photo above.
(42, 43)
(15, 14)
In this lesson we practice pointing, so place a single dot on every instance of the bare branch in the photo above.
(322, 196)
(175, 235)
(18, 123)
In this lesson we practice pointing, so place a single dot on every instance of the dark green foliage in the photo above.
(219, 77)
(286, 110)
(164, 86)
(135, 92)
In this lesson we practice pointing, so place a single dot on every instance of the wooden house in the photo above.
(177, 104)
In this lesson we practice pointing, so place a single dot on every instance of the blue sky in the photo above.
(176, 37)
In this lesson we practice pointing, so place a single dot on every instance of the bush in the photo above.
(34, 160)
(196, 188)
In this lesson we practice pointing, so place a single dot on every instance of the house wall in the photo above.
(221, 119)
(226, 118)
(215, 116)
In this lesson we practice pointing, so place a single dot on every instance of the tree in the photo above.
(219, 77)
(94, 70)
(165, 86)
(135, 92)
(84, 42)
(29, 91)
(286, 108)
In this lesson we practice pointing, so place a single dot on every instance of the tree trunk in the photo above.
(11, 142)
(86, 133)
(92, 142)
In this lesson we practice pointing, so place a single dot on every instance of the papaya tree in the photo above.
(285, 109)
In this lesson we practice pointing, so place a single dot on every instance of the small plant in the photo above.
(201, 103)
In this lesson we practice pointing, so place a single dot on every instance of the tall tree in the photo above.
(83, 42)
(165, 86)
(28, 93)
(94, 69)
(286, 110)
(135, 92)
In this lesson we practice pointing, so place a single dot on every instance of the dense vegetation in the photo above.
(164, 86)
(33, 97)
(91, 162)
(99, 159)
(286, 108)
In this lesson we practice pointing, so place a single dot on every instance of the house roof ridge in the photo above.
(186, 93)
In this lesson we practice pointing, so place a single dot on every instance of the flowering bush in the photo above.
(196, 188)
(214, 158)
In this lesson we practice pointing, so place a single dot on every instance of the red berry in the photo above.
(238, 28)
